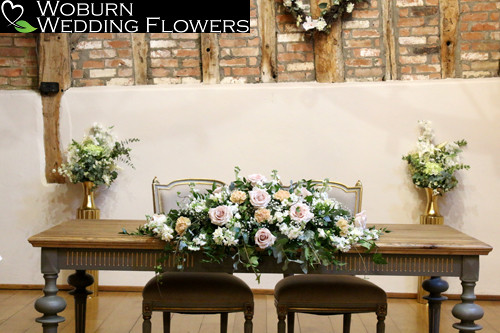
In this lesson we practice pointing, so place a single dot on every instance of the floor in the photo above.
(118, 312)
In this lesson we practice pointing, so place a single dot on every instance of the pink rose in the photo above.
(256, 178)
(220, 215)
(304, 192)
(360, 219)
(264, 238)
(259, 198)
(300, 212)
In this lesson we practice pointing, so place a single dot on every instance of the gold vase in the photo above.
(88, 211)
(431, 216)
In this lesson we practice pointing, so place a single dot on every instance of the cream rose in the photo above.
(220, 215)
(300, 212)
(344, 227)
(264, 238)
(262, 215)
(259, 198)
(182, 224)
(256, 178)
(281, 195)
(238, 197)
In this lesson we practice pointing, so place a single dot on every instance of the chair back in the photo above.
(349, 197)
(166, 196)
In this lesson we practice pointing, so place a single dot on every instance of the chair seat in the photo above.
(197, 291)
(323, 291)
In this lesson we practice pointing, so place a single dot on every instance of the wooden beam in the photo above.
(140, 49)
(449, 15)
(391, 72)
(210, 58)
(267, 28)
(54, 66)
(328, 56)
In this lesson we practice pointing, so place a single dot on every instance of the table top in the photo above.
(403, 238)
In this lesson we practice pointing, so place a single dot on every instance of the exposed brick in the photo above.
(117, 44)
(12, 52)
(11, 72)
(97, 73)
(93, 64)
(30, 42)
(233, 62)
(232, 42)
(246, 71)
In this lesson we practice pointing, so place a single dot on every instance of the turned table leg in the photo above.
(435, 286)
(80, 280)
(50, 304)
(467, 311)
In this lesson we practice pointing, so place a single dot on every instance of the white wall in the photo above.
(344, 132)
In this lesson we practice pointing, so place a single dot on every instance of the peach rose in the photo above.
(259, 198)
(256, 178)
(281, 195)
(182, 224)
(220, 215)
(343, 225)
(238, 197)
(264, 238)
(262, 215)
(300, 212)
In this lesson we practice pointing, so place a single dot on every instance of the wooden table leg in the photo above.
(50, 304)
(467, 311)
(80, 280)
(435, 286)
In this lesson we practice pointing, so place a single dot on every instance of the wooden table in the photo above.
(410, 249)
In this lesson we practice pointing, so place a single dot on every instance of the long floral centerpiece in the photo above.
(254, 217)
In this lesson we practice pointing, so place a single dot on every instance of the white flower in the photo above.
(321, 25)
(287, 3)
(309, 23)
(259, 198)
(321, 233)
(360, 220)
(350, 7)
(156, 220)
(166, 233)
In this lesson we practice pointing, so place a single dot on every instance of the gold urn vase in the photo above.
(431, 215)
(88, 210)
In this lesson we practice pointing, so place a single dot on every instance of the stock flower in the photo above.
(220, 215)
(259, 198)
(264, 238)
(360, 220)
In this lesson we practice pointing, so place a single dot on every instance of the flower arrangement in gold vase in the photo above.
(432, 167)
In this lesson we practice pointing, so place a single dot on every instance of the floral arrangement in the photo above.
(433, 166)
(328, 14)
(254, 217)
(95, 158)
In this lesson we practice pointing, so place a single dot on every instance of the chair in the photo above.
(323, 294)
(192, 293)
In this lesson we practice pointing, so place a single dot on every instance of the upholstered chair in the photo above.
(324, 294)
(192, 293)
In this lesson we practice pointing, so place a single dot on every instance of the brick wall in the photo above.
(479, 39)
(18, 61)
(411, 49)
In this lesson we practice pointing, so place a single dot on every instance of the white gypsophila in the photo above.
(341, 243)
(229, 238)
(426, 130)
(292, 232)
(200, 240)
(278, 216)
(294, 198)
(217, 197)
